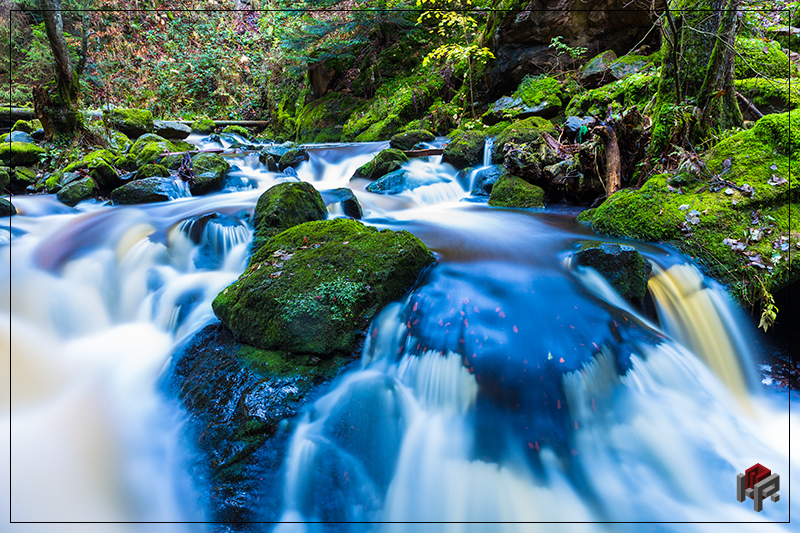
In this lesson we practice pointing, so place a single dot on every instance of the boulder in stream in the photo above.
(621, 265)
(408, 139)
(209, 173)
(346, 199)
(291, 158)
(170, 129)
(283, 206)
(314, 288)
(143, 191)
(385, 162)
(465, 149)
(20, 153)
(7, 209)
(77, 191)
(511, 191)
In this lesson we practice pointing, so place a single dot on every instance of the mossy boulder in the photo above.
(735, 232)
(292, 157)
(769, 95)
(77, 191)
(236, 130)
(143, 191)
(621, 265)
(314, 288)
(105, 175)
(633, 90)
(27, 126)
(511, 191)
(385, 162)
(320, 121)
(209, 173)
(60, 179)
(408, 139)
(132, 122)
(465, 149)
(203, 125)
(597, 70)
(536, 96)
(759, 58)
(114, 140)
(149, 149)
(152, 171)
(23, 177)
(5, 178)
(529, 130)
(284, 206)
(18, 153)
(7, 209)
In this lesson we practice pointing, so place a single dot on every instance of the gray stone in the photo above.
(170, 129)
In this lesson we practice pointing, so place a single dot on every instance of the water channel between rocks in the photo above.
(510, 386)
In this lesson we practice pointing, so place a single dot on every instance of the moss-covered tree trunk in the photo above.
(696, 93)
(57, 107)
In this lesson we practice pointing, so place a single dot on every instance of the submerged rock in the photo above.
(350, 205)
(283, 206)
(511, 191)
(315, 287)
(465, 149)
(291, 158)
(385, 162)
(485, 179)
(400, 181)
(621, 265)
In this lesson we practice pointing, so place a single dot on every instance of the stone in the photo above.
(347, 201)
(408, 139)
(27, 126)
(511, 191)
(314, 288)
(7, 209)
(284, 206)
(573, 124)
(597, 71)
(528, 131)
(465, 149)
(236, 130)
(485, 179)
(209, 173)
(385, 162)
(143, 191)
(132, 122)
(400, 181)
(203, 125)
(77, 191)
(19, 153)
(292, 157)
(18, 136)
(152, 171)
(621, 265)
(170, 129)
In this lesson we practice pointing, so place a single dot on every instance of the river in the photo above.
(508, 387)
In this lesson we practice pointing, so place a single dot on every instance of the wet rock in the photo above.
(283, 206)
(23, 177)
(7, 209)
(573, 125)
(77, 191)
(346, 199)
(410, 138)
(27, 126)
(203, 125)
(143, 191)
(170, 129)
(485, 179)
(598, 70)
(5, 178)
(528, 131)
(292, 157)
(209, 173)
(511, 191)
(621, 265)
(385, 162)
(132, 122)
(18, 136)
(152, 171)
(400, 181)
(315, 287)
(20, 153)
(465, 149)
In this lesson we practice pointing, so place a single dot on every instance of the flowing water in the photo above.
(508, 387)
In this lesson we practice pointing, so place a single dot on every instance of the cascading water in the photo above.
(508, 387)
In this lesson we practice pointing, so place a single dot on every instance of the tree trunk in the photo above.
(696, 93)
(613, 163)
(57, 108)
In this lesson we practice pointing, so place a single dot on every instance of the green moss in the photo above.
(151, 170)
(203, 125)
(410, 138)
(313, 288)
(535, 89)
(19, 153)
(209, 173)
(5, 178)
(634, 90)
(386, 161)
(131, 122)
(465, 149)
(237, 130)
(77, 191)
(781, 131)
(284, 206)
(321, 120)
(770, 95)
(27, 126)
(7, 209)
(761, 58)
(143, 191)
(529, 130)
(114, 140)
(511, 191)
(621, 265)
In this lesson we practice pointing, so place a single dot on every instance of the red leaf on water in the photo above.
(515, 329)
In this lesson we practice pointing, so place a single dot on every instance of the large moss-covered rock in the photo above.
(18, 153)
(465, 149)
(148, 149)
(769, 95)
(735, 232)
(511, 191)
(77, 191)
(410, 138)
(131, 122)
(536, 96)
(114, 140)
(23, 177)
(314, 288)
(597, 70)
(320, 121)
(209, 173)
(292, 157)
(633, 90)
(236, 130)
(203, 125)
(5, 178)
(621, 265)
(152, 171)
(761, 58)
(529, 131)
(27, 126)
(7, 209)
(143, 191)
(284, 206)
(386, 161)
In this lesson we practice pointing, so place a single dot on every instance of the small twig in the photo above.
(749, 105)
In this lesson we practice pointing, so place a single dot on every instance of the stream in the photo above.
(509, 386)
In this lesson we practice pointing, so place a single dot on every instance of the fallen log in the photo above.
(206, 151)
(9, 115)
(423, 153)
